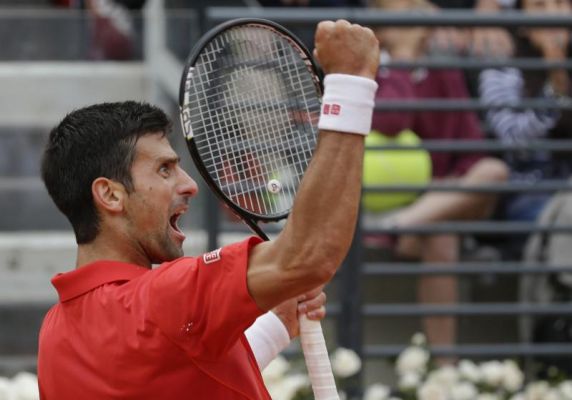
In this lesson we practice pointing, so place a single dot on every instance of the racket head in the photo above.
(250, 99)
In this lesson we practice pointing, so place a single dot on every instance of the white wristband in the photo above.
(347, 104)
(267, 337)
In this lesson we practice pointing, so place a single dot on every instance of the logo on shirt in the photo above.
(332, 109)
(212, 256)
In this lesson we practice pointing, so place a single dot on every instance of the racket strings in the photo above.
(306, 86)
(248, 183)
(255, 93)
(296, 147)
(270, 92)
(236, 111)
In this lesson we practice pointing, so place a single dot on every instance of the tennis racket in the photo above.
(250, 102)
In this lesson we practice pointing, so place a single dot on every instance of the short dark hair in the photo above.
(95, 141)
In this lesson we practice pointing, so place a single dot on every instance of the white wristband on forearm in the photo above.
(347, 104)
(267, 337)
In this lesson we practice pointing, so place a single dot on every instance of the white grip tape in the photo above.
(317, 360)
(347, 104)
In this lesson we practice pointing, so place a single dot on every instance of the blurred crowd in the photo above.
(511, 126)
(112, 34)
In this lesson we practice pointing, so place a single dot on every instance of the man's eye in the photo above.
(165, 170)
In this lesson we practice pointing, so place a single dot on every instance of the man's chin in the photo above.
(169, 254)
(179, 253)
(173, 255)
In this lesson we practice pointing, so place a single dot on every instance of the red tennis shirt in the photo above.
(176, 332)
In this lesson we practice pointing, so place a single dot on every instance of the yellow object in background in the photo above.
(393, 167)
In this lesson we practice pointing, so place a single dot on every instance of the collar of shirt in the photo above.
(80, 281)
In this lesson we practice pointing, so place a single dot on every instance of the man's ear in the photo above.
(108, 194)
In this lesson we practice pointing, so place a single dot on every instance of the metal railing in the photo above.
(376, 17)
(351, 311)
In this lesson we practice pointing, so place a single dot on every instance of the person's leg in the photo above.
(448, 206)
(444, 249)
(442, 289)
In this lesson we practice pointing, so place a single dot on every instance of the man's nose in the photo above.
(187, 185)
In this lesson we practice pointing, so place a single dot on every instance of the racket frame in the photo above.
(249, 217)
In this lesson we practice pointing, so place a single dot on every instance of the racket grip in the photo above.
(317, 360)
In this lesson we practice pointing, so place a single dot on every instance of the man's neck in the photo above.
(112, 250)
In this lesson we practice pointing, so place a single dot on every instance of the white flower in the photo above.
(536, 390)
(345, 362)
(273, 388)
(432, 391)
(409, 380)
(469, 371)
(565, 389)
(275, 370)
(463, 391)
(294, 383)
(412, 359)
(446, 376)
(6, 389)
(25, 386)
(492, 372)
(487, 396)
(376, 391)
(552, 394)
(418, 339)
(286, 388)
(512, 377)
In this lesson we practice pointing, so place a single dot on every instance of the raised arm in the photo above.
(321, 225)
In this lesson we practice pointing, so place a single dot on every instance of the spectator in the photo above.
(522, 126)
(309, 3)
(481, 41)
(465, 169)
(303, 33)
(112, 31)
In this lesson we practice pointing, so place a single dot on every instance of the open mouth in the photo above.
(174, 223)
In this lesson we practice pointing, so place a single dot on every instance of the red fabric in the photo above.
(446, 84)
(109, 42)
(63, 3)
(175, 332)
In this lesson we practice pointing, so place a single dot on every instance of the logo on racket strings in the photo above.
(185, 113)
(212, 256)
(332, 109)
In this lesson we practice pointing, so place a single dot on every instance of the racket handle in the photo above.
(317, 360)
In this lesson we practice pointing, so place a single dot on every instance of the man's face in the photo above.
(161, 190)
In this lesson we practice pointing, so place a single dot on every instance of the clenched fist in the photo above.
(344, 48)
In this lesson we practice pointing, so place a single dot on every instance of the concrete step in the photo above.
(39, 94)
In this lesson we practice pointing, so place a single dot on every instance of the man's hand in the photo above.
(409, 44)
(311, 303)
(343, 48)
(492, 42)
(551, 42)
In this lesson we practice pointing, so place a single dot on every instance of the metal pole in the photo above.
(350, 321)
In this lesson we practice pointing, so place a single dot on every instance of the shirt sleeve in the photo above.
(393, 85)
(203, 304)
(512, 126)
(465, 124)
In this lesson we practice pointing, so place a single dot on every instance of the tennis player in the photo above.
(122, 330)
